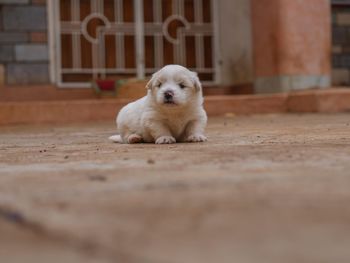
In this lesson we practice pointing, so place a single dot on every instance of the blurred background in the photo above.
(86, 50)
(236, 46)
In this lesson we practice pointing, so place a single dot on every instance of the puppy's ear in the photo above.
(196, 82)
(152, 81)
(149, 84)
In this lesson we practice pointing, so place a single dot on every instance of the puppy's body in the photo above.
(171, 111)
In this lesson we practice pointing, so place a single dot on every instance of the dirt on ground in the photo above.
(270, 188)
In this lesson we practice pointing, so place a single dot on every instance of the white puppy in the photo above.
(172, 111)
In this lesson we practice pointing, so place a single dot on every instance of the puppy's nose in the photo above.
(168, 95)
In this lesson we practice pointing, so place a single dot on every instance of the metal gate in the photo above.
(132, 38)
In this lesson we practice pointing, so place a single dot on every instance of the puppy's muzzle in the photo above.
(168, 97)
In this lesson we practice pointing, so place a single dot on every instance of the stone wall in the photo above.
(23, 42)
(341, 42)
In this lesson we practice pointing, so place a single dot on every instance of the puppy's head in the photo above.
(174, 85)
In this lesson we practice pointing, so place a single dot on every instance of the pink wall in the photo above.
(291, 37)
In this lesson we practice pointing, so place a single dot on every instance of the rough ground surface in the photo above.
(272, 188)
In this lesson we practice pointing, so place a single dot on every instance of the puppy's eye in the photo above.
(159, 85)
(182, 86)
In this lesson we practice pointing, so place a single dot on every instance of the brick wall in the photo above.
(341, 42)
(23, 42)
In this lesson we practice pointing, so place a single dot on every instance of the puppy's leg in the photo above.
(134, 138)
(195, 131)
(160, 133)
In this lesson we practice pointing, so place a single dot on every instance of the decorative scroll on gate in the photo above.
(132, 38)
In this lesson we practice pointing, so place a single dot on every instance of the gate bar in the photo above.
(139, 39)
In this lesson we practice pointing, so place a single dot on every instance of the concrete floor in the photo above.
(271, 188)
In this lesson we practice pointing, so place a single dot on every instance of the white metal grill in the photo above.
(132, 38)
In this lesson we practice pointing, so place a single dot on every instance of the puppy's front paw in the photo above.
(165, 140)
(196, 138)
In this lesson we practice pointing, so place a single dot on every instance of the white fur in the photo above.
(116, 138)
(150, 119)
